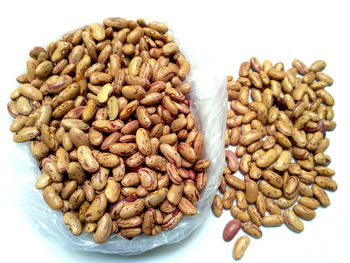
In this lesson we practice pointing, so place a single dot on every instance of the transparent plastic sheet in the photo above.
(209, 107)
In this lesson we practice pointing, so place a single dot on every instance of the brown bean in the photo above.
(251, 191)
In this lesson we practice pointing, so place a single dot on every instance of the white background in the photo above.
(225, 34)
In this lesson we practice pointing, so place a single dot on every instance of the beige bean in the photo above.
(169, 139)
(250, 137)
(130, 232)
(175, 193)
(61, 51)
(18, 123)
(132, 209)
(148, 221)
(123, 149)
(304, 212)
(191, 191)
(241, 200)
(158, 26)
(237, 213)
(130, 222)
(217, 206)
(156, 162)
(23, 106)
(309, 78)
(90, 228)
(96, 209)
(187, 151)
(268, 190)
(275, 74)
(239, 108)
(170, 154)
(228, 198)
(52, 198)
(284, 202)
(304, 190)
(143, 141)
(240, 247)
(318, 65)
(309, 202)
(267, 159)
(62, 159)
(272, 178)
(186, 207)
(261, 204)
(76, 172)
(198, 145)
(251, 229)
(300, 67)
(320, 195)
(148, 178)
(325, 171)
(43, 180)
(89, 191)
(99, 178)
(254, 215)
(292, 221)
(291, 188)
(72, 222)
(173, 174)
(272, 220)
(325, 96)
(244, 69)
(320, 76)
(322, 159)
(156, 198)
(130, 179)
(108, 160)
(97, 31)
(87, 160)
(254, 171)
(272, 207)
(326, 182)
(104, 229)
(76, 199)
(283, 162)
(30, 92)
(50, 167)
(235, 182)
(171, 220)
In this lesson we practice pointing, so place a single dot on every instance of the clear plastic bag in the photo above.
(208, 105)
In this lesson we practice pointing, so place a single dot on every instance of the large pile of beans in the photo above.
(107, 117)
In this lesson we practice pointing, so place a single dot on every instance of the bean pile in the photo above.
(106, 114)
(277, 121)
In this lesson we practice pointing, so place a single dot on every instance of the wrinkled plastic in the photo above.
(208, 105)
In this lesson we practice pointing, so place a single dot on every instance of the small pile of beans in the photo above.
(277, 121)
(107, 117)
